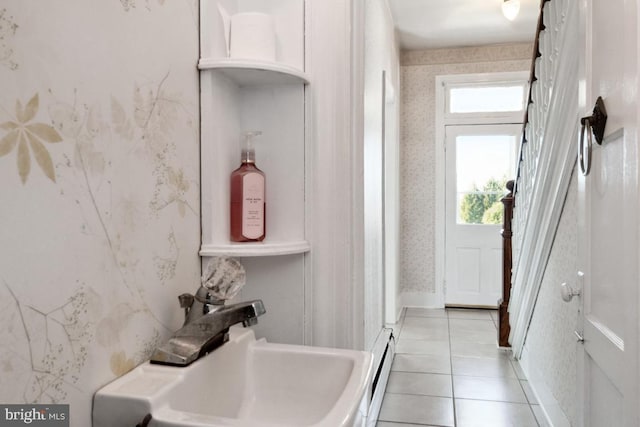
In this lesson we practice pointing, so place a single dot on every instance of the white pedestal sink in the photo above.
(246, 382)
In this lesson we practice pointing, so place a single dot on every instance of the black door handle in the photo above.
(593, 125)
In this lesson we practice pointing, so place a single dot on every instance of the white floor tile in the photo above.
(484, 337)
(471, 325)
(488, 384)
(467, 313)
(433, 364)
(425, 312)
(427, 322)
(409, 346)
(482, 367)
(407, 408)
(471, 349)
(478, 413)
(485, 388)
(477, 331)
(417, 332)
(419, 383)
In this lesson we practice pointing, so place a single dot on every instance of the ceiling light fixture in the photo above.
(510, 9)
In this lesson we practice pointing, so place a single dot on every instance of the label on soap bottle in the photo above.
(253, 206)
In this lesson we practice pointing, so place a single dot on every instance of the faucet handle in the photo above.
(186, 300)
(223, 277)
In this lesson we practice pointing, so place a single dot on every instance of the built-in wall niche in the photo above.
(278, 111)
(239, 95)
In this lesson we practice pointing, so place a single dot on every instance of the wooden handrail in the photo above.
(532, 78)
(504, 328)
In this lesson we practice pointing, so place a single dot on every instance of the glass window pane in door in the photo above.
(484, 163)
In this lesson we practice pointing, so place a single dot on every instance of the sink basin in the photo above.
(246, 382)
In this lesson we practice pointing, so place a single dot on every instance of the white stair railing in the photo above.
(547, 158)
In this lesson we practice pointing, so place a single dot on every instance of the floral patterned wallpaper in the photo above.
(99, 203)
(468, 55)
(550, 339)
(418, 73)
(8, 29)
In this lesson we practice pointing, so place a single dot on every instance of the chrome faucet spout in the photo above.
(206, 332)
(195, 306)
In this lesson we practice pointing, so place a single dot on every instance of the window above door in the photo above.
(479, 97)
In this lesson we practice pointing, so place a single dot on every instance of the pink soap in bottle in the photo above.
(248, 203)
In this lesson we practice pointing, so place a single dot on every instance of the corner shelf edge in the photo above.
(235, 68)
(255, 249)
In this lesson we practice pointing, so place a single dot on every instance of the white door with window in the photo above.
(478, 123)
(480, 159)
(608, 229)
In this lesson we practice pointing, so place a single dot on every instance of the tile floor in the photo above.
(448, 371)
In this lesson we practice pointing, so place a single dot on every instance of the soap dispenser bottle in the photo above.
(248, 203)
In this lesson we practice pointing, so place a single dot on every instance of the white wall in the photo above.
(335, 60)
(99, 220)
(381, 55)
(418, 72)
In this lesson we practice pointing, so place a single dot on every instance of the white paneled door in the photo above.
(608, 230)
(479, 161)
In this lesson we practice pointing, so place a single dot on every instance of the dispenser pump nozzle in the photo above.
(248, 151)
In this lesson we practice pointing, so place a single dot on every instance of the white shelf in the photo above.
(252, 73)
(257, 249)
(239, 94)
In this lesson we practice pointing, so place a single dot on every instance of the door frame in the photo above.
(442, 120)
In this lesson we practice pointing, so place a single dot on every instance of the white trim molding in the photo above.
(421, 299)
(443, 120)
(547, 160)
(553, 413)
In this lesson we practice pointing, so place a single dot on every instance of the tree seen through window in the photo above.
(482, 205)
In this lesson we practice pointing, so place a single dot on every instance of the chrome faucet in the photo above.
(206, 327)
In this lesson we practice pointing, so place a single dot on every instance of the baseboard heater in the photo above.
(383, 352)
